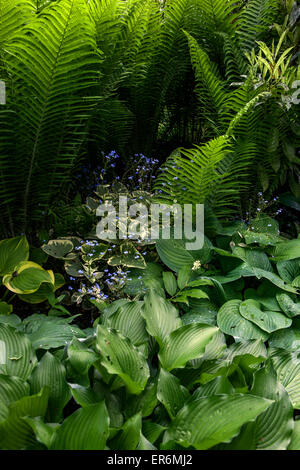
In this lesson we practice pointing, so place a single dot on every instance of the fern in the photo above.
(51, 63)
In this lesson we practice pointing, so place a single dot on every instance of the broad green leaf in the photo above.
(144, 444)
(288, 339)
(129, 321)
(170, 282)
(17, 357)
(287, 250)
(93, 251)
(287, 367)
(218, 386)
(43, 291)
(15, 433)
(295, 440)
(290, 308)
(13, 251)
(288, 270)
(184, 344)
(51, 332)
(231, 322)
(27, 278)
(85, 429)
(160, 315)
(11, 390)
(51, 372)
(144, 403)
(266, 320)
(119, 356)
(81, 357)
(128, 438)
(174, 254)
(170, 393)
(43, 431)
(208, 421)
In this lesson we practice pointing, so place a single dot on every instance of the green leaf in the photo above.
(17, 357)
(287, 250)
(174, 254)
(231, 322)
(85, 429)
(121, 357)
(266, 320)
(170, 282)
(13, 251)
(287, 367)
(208, 421)
(11, 390)
(5, 308)
(81, 357)
(160, 315)
(290, 308)
(51, 372)
(43, 291)
(51, 332)
(15, 433)
(184, 275)
(184, 344)
(27, 278)
(58, 248)
(128, 438)
(170, 393)
(43, 431)
(144, 403)
(288, 270)
(129, 321)
(295, 440)
(218, 386)
(272, 429)
(129, 257)
(288, 339)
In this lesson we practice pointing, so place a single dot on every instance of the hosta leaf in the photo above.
(43, 431)
(273, 428)
(170, 393)
(121, 357)
(51, 372)
(230, 321)
(128, 438)
(184, 275)
(288, 339)
(174, 254)
(13, 251)
(170, 282)
(129, 321)
(27, 278)
(17, 357)
(290, 308)
(52, 332)
(15, 433)
(44, 290)
(266, 320)
(287, 250)
(207, 421)
(85, 429)
(218, 386)
(160, 315)
(288, 270)
(145, 402)
(295, 440)
(58, 248)
(185, 344)
(81, 357)
(11, 390)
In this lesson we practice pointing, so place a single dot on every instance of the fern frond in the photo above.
(52, 63)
